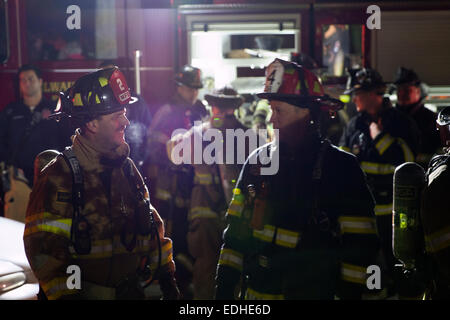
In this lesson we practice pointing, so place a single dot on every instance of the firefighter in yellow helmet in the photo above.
(435, 214)
(89, 208)
(301, 223)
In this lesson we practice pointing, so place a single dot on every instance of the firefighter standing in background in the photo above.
(100, 220)
(213, 187)
(172, 185)
(306, 231)
(382, 138)
(25, 130)
(435, 213)
(411, 93)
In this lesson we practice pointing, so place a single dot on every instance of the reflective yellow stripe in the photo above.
(407, 153)
(266, 234)
(47, 222)
(344, 148)
(231, 258)
(205, 178)
(438, 240)
(353, 273)
(383, 209)
(166, 256)
(287, 238)
(162, 194)
(377, 168)
(56, 288)
(235, 208)
(384, 143)
(202, 212)
(255, 295)
(361, 225)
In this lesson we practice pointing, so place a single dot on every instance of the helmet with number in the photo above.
(364, 80)
(189, 76)
(294, 84)
(98, 93)
(443, 125)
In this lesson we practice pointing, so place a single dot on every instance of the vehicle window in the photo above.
(4, 43)
(341, 48)
(54, 33)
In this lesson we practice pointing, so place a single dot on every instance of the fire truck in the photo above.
(232, 41)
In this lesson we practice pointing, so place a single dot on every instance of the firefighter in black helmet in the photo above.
(435, 213)
(89, 206)
(172, 184)
(411, 93)
(304, 230)
(382, 138)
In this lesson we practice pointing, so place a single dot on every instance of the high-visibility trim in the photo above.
(181, 202)
(353, 273)
(344, 148)
(287, 238)
(266, 234)
(47, 222)
(162, 194)
(202, 212)
(236, 207)
(252, 294)
(438, 240)
(383, 209)
(377, 168)
(166, 256)
(205, 178)
(359, 225)
(231, 258)
(56, 288)
(384, 143)
(407, 153)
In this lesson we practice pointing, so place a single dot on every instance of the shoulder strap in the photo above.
(80, 229)
(316, 177)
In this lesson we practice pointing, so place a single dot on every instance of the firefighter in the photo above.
(306, 230)
(172, 185)
(435, 215)
(382, 138)
(411, 93)
(25, 130)
(213, 187)
(90, 209)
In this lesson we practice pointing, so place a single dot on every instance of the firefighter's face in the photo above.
(408, 94)
(188, 94)
(369, 101)
(110, 129)
(30, 84)
(291, 121)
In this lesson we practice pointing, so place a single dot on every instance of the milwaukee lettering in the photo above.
(57, 86)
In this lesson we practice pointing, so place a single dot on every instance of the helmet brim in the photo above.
(326, 102)
(198, 86)
(222, 100)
